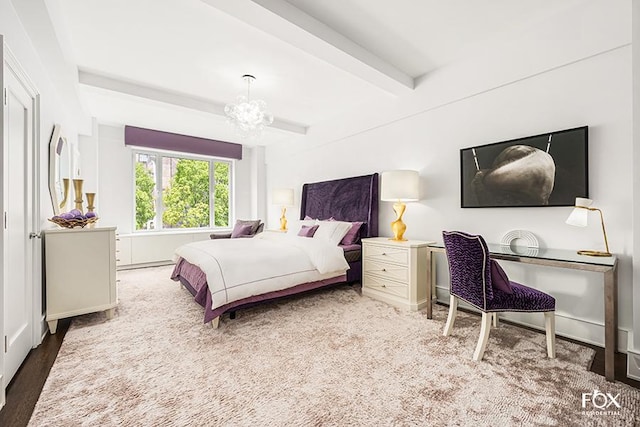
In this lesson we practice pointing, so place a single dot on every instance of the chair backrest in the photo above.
(469, 267)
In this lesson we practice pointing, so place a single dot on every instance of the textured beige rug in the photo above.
(330, 358)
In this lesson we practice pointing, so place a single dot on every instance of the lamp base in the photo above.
(283, 219)
(594, 253)
(398, 227)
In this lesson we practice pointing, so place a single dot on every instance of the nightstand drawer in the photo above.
(386, 286)
(386, 270)
(386, 254)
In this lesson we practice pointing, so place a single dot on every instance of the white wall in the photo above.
(575, 71)
(115, 196)
(634, 352)
(54, 107)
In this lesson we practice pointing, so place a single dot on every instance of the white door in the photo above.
(17, 189)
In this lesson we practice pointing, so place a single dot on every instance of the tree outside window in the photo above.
(185, 185)
(145, 203)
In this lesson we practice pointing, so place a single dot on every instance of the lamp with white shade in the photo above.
(579, 218)
(400, 186)
(283, 197)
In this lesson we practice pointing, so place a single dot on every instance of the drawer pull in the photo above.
(384, 253)
(384, 286)
(117, 260)
(384, 269)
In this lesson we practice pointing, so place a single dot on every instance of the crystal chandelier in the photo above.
(248, 116)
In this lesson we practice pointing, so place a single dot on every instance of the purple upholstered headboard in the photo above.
(346, 199)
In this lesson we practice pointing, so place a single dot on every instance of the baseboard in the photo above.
(2, 393)
(144, 265)
(633, 364)
(44, 328)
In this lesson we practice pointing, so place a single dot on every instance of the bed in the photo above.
(353, 199)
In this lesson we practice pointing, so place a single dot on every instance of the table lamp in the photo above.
(283, 197)
(578, 217)
(399, 186)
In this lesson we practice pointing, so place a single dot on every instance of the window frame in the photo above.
(159, 203)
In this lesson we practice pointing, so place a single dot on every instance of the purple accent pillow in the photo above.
(353, 235)
(241, 230)
(499, 279)
(308, 230)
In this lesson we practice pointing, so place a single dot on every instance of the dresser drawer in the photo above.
(386, 286)
(386, 270)
(386, 254)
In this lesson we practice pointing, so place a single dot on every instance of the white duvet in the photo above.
(240, 268)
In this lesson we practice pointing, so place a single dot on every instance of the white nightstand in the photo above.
(396, 272)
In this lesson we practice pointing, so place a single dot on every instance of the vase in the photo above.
(77, 185)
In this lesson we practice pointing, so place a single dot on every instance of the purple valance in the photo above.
(159, 140)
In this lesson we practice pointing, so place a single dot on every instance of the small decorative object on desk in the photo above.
(74, 218)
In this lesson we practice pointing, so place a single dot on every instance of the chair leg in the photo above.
(550, 327)
(484, 337)
(495, 320)
(451, 318)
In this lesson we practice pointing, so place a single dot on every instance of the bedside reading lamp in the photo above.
(284, 198)
(578, 217)
(399, 186)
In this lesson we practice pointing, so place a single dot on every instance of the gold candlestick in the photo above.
(77, 185)
(90, 199)
(65, 184)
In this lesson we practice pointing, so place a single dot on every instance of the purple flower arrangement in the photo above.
(74, 218)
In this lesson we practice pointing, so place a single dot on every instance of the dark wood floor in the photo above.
(25, 388)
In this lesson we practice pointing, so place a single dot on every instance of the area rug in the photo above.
(333, 357)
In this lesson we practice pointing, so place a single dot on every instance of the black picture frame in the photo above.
(519, 172)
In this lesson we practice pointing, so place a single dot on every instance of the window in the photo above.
(178, 192)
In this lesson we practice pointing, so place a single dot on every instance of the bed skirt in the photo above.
(194, 279)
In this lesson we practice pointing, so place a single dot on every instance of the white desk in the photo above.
(562, 258)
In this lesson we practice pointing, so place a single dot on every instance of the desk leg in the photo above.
(610, 321)
(429, 262)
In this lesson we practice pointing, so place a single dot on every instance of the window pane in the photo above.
(185, 193)
(221, 206)
(145, 190)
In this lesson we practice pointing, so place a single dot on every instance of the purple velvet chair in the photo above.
(470, 269)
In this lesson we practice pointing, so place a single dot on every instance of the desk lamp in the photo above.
(578, 217)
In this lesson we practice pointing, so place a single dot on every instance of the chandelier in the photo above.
(247, 115)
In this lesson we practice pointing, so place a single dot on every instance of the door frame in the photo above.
(10, 63)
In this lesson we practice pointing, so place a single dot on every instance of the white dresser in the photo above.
(395, 272)
(80, 272)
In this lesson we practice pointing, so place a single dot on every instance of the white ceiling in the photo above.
(174, 64)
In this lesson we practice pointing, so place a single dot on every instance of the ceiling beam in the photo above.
(288, 23)
(89, 78)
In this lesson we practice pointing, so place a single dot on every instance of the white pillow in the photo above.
(333, 231)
